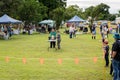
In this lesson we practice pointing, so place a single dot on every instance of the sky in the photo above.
(114, 4)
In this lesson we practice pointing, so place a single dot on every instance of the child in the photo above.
(106, 53)
(58, 39)
(93, 31)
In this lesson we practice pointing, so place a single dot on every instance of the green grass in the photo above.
(33, 47)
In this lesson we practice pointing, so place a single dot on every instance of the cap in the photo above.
(116, 36)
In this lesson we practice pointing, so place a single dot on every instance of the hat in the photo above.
(116, 36)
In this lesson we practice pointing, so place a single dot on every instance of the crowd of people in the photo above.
(44, 28)
(6, 31)
(114, 55)
(28, 29)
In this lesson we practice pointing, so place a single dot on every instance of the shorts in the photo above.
(93, 32)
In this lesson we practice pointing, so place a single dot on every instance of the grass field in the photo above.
(33, 47)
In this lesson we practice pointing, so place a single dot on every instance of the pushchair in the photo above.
(52, 43)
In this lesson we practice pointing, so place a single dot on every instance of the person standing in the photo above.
(107, 29)
(105, 32)
(118, 28)
(71, 31)
(101, 30)
(106, 53)
(116, 57)
(52, 38)
(58, 39)
(93, 31)
(9, 31)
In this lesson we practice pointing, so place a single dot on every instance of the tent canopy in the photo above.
(51, 23)
(6, 19)
(76, 19)
(46, 22)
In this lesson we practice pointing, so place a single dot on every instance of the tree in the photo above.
(52, 4)
(89, 11)
(118, 15)
(10, 7)
(72, 11)
(57, 15)
(32, 11)
(101, 10)
(112, 17)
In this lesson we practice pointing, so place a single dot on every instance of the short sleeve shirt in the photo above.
(106, 48)
(116, 48)
(58, 36)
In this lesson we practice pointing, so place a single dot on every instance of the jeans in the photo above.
(116, 69)
(52, 44)
(58, 44)
(10, 33)
(111, 69)
(106, 59)
(71, 34)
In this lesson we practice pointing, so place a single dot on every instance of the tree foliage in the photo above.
(53, 4)
(57, 15)
(118, 15)
(37, 10)
(72, 11)
(32, 11)
(55, 10)
(100, 11)
(10, 7)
